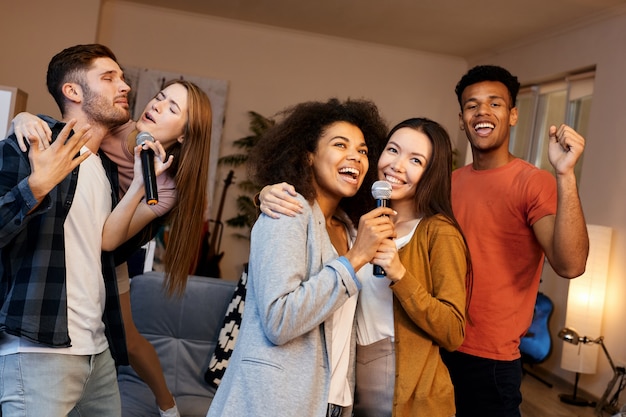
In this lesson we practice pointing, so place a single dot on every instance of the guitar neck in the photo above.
(218, 216)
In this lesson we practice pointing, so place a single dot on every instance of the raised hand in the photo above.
(129, 216)
(565, 148)
(51, 165)
(161, 161)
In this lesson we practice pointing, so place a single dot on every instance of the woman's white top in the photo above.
(340, 324)
(374, 312)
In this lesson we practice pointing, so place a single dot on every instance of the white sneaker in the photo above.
(172, 412)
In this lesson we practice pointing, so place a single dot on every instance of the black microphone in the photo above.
(381, 191)
(147, 163)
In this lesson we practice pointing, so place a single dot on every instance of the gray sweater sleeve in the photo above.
(295, 276)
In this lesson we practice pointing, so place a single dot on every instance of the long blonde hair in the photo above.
(190, 170)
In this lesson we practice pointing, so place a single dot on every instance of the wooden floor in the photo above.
(540, 400)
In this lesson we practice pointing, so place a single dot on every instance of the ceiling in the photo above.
(465, 28)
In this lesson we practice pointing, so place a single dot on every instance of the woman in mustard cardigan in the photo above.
(406, 317)
(404, 320)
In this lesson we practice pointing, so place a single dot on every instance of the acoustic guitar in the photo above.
(536, 344)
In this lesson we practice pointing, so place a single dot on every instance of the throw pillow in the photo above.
(228, 334)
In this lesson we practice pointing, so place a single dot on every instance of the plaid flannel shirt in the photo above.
(33, 297)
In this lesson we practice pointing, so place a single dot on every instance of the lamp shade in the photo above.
(585, 303)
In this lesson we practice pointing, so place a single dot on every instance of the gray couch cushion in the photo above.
(184, 332)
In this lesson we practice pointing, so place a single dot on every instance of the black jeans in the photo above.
(484, 387)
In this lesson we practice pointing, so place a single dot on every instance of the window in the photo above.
(567, 100)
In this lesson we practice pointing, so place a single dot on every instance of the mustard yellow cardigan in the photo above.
(429, 314)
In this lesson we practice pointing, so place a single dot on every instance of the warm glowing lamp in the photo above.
(585, 305)
(619, 372)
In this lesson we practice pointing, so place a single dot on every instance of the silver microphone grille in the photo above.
(381, 190)
(143, 137)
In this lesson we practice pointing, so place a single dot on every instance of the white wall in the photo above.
(603, 179)
(269, 69)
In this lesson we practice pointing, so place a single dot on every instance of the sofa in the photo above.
(184, 332)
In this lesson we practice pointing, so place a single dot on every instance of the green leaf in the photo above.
(233, 160)
(246, 211)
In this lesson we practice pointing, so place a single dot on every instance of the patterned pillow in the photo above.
(228, 333)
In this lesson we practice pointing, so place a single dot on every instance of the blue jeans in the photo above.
(484, 387)
(57, 385)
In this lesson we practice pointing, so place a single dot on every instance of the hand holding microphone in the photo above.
(147, 164)
(381, 191)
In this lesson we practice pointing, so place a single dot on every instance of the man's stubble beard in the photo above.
(100, 111)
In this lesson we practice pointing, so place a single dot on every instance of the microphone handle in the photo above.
(149, 177)
(379, 272)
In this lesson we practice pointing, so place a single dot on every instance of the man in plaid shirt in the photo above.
(60, 322)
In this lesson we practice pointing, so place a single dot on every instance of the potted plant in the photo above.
(246, 210)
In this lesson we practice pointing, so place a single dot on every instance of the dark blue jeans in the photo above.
(484, 387)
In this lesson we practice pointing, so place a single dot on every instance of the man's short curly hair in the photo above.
(482, 73)
(282, 153)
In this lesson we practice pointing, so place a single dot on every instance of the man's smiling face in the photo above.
(487, 115)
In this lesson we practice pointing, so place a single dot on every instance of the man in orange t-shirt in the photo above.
(512, 214)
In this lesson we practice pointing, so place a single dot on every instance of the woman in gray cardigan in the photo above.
(295, 352)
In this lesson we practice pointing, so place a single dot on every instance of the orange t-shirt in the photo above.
(496, 209)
